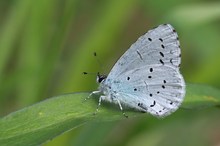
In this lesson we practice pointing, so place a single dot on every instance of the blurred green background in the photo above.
(45, 45)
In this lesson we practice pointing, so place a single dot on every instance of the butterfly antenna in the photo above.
(100, 65)
(98, 61)
(89, 73)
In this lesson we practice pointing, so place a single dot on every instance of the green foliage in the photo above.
(45, 120)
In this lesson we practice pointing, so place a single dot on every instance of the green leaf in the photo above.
(200, 96)
(43, 121)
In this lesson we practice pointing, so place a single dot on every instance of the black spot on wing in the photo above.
(142, 106)
(171, 61)
(161, 54)
(152, 105)
(161, 61)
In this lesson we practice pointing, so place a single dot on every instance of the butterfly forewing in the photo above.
(157, 46)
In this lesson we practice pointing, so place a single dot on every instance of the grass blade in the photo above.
(43, 121)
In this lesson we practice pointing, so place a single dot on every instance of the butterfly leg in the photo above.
(121, 108)
(99, 104)
(93, 93)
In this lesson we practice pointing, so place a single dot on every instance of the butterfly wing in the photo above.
(147, 76)
(158, 90)
(158, 46)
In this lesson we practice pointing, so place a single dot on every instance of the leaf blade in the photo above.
(45, 120)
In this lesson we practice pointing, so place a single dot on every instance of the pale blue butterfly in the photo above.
(147, 76)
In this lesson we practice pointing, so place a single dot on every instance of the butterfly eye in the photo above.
(100, 78)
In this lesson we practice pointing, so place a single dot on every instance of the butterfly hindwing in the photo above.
(158, 90)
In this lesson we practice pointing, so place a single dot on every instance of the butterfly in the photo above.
(147, 77)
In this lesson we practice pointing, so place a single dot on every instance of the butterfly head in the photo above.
(100, 78)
